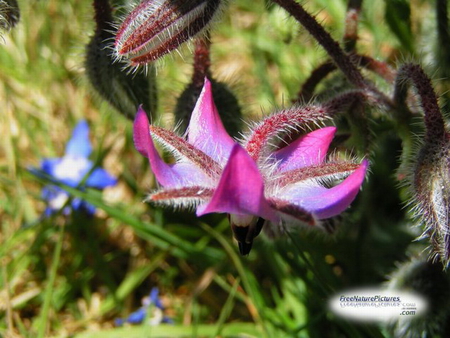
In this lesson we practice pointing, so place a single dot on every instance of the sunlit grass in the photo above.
(61, 276)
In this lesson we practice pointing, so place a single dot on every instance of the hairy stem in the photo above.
(202, 62)
(351, 24)
(412, 73)
(378, 67)
(103, 15)
(332, 47)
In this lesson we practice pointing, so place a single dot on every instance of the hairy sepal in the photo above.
(181, 198)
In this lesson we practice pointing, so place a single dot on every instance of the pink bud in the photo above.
(155, 28)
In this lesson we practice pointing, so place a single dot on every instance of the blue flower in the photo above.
(151, 309)
(71, 170)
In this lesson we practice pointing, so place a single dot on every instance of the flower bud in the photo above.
(428, 280)
(155, 28)
(431, 175)
(432, 195)
(124, 91)
(9, 14)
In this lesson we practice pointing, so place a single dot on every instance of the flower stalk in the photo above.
(332, 47)
(431, 175)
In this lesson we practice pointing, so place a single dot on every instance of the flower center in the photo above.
(72, 168)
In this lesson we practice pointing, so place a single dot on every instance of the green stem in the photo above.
(44, 315)
(241, 270)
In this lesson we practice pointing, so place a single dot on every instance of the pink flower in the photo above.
(255, 183)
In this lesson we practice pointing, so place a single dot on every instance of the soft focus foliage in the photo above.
(73, 169)
(73, 274)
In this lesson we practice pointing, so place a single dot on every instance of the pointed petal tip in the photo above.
(206, 130)
(141, 132)
(344, 193)
(141, 114)
(207, 83)
(79, 144)
(363, 169)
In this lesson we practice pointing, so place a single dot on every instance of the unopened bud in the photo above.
(427, 280)
(431, 175)
(432, 195)
(123, 90)
(9, 14)
(155, 28)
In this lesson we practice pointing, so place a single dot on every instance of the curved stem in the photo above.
(434, 122)
(378, 67)
(202, 61)
(307, 91)
(332, 47)
(351, 24)
(103, 15)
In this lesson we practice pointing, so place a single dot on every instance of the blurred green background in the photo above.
(72, 276)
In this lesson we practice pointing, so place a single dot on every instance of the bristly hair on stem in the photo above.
(331, 46)
(434, 122)
(430, 178)
(155, 28)
(9, 14)
(122, 90)
(346, 63)
(351, 24)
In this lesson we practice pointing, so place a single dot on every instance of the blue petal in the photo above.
(50, 192)
(79, 144)
(167, 320)
(137, 317)
(119, 321)
(83, 206)
(48, 165)
(155, 299)
(100, 179)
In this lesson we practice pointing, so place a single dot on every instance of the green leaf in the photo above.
(244, 330)
(146, 230)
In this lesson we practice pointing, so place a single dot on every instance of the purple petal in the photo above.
(141, 132)
(323, 202)
(167, 175)
(79, 144)
(310, 149)
(186, 152)
(293, 211)
(240, 190)
(206, 131)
